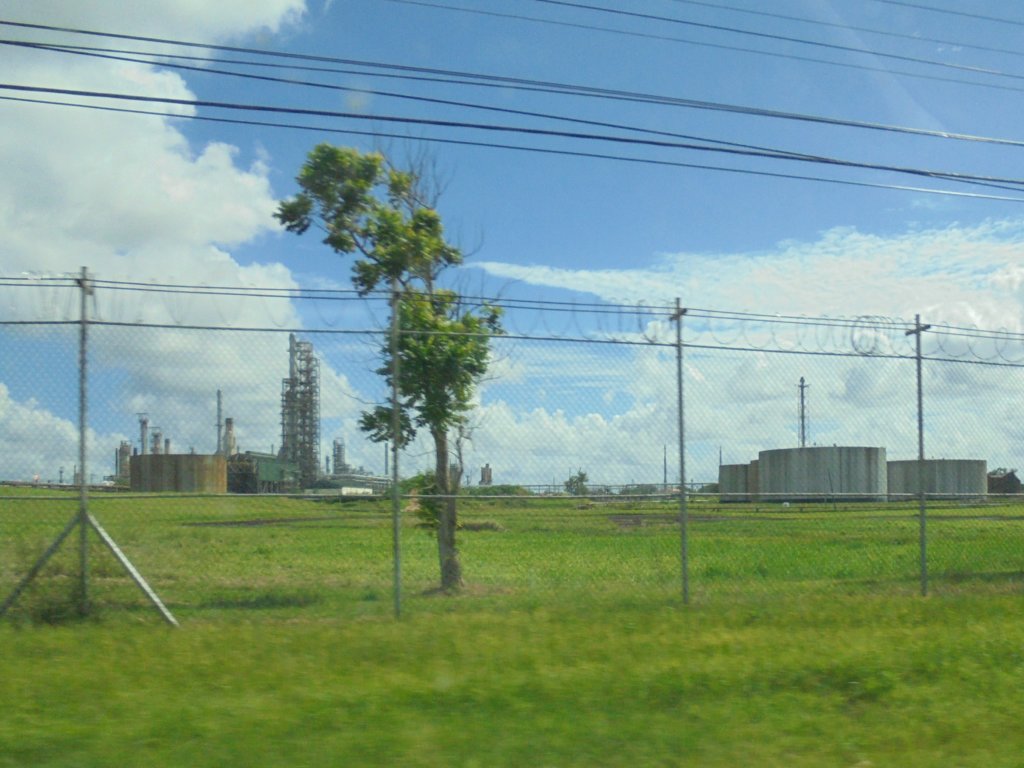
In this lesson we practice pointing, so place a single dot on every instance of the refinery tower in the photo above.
(300, 411)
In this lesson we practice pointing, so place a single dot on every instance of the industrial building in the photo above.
(153, 468)
(1004, 481)
(254, 472)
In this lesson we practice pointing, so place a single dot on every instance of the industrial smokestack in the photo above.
(340, 462)
(230, 445)
(167, 446)
(220, 421)
(293, 356)
(144, 433)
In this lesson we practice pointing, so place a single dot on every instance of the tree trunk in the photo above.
(448, 553)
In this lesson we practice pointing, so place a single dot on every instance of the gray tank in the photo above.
(943, 478)
(823, 473)
(734, 482)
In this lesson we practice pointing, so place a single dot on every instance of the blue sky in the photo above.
(173, 199)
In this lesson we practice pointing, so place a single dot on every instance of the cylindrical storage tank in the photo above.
(733, 482)
(179, 473)
(753, 483)
(943, 478)
(823, 473)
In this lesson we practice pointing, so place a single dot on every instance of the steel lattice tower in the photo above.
(300, 411)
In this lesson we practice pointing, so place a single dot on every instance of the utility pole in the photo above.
(917, 331)
(803, 413)
(684, 512)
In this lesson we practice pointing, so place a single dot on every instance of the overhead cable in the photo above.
(420, 99)
(483, 79)
(538, 150)
(850, 27)
(953, 12)
(487, 127)
(737, 147)
(785, 38)
(707, 44)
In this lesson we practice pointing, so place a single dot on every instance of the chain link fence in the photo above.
(225, 469)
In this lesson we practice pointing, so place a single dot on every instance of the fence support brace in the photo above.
(83, 520)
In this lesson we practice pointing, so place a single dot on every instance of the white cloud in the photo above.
(747, 401)
(133, 199)
(956, 274)
(178, 19)
(36, 444)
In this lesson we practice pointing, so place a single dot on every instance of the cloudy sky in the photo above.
(882, 100)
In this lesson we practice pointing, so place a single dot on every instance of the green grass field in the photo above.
(805, 641)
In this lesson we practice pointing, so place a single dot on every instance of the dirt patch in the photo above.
(482, 525)
(640, 521)
(468, 591)
(257, 522)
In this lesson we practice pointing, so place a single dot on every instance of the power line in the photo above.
(539, 132)
(544, 151)
(487, 80)
(421, 99)
(706, 44)
(784, 38)
(850, 27)
(952, 12)
(590, 307)
(742, 148)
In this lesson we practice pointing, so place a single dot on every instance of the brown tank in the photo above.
(179, 473)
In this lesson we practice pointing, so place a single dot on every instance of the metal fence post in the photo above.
(85, 290)
(396, 425)
(684, 517)
(922, 507)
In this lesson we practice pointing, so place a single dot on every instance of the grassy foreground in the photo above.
(805, 644)
(858, 681)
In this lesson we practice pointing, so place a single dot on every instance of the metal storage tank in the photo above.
(943, 478)
(179, 473)
(753, 481)
(823, 473)
(733, 482)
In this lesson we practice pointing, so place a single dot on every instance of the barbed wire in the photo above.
(524, 319)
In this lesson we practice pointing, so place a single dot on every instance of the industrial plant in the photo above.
(847, 473)
(152, 467)
(853, 473)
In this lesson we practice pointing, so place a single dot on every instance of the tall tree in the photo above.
(368, 208)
